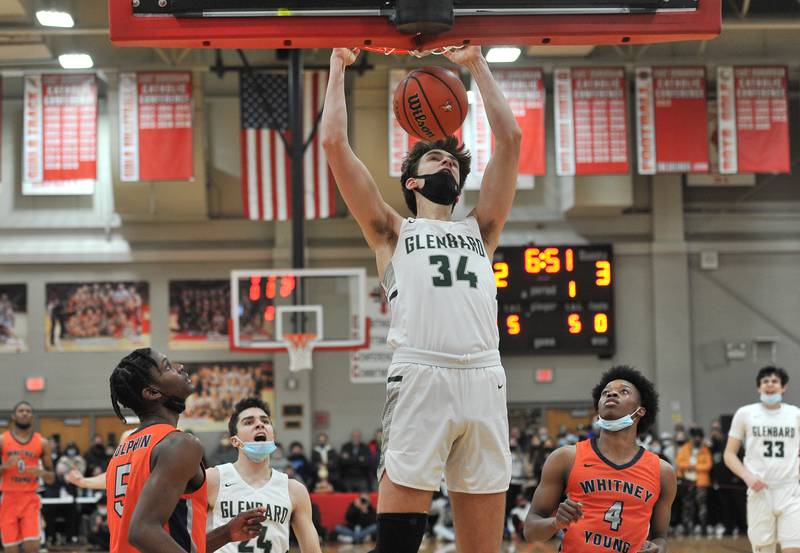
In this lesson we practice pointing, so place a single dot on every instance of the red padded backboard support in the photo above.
(330, 32)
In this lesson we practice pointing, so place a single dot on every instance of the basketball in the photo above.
(430, 103)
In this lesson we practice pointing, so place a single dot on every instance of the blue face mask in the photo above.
(258, 451)
(771, 399)
(616, 425)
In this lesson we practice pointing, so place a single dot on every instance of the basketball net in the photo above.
(386, 51)
(300, 347)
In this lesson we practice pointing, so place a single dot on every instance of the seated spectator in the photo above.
(323, 453)
(694, 474)
(354, 464)
(96, 459)
(98, 535)
(300, 463)
(323, 485)
(70, 460)
(361, 522)
(516, 518)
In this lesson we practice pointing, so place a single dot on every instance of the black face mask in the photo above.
(440, 188)
(23, 425)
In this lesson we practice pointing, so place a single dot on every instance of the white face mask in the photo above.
(771, 399)
(618, 424)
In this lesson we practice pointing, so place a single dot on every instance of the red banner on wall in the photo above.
(670, 111)
(59, 137)
(525, 93)
(753, 120)
(155, 126)
(591, 121)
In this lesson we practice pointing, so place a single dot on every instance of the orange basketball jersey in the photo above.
(27, 456)
(617, 500)
(126, 475)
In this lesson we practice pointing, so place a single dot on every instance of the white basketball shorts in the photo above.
(773, 516)
(446, 414)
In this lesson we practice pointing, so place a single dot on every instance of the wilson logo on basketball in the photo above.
(415, 105)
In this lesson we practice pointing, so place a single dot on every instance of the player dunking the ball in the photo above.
(25, 459)
(770, 432)
(616, 491)
(445, 410)
(156, 486)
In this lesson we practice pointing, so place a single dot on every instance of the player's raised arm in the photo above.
(378, 221)
(302, 524)
(548, 514)
(500, 177)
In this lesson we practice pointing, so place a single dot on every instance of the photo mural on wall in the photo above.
(97, 316)
(13, 318)
(198, 314)
(219, 386)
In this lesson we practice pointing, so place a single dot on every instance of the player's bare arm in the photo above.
(302, 524)
(732, 461)
(548, 513)
(46, 471)
(379, 222)
(500, 178)
(659, 520)
(212, 481)
(177, 460)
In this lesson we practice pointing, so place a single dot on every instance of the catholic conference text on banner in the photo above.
(753, 119)
(524, 90)
(371, 365)
(666, 99)
(155, 126)
(59, 136)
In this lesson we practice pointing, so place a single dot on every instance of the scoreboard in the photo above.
(555, 299)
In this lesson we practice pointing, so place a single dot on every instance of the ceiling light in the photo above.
(503, 54)
(75, 61)
(52, 18)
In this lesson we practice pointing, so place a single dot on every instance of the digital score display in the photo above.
(555, 299)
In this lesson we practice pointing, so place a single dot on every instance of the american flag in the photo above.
(266, 167)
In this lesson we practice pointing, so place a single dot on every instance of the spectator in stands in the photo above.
(301, 464)
(323, 485)
(516, 518)
(730, 503)
(97, 534)
(354, 464)
(323, 453)
(694, 473)
(225, 452)
(374, 447)
(361, 522)
(70, 460)
(278, 460)
(518, 472)
(96, 458)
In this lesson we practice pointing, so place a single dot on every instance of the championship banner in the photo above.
(753, 120)
(666, 99)
(155, 126)
(524, 90)
(591, 121)
(59, 136)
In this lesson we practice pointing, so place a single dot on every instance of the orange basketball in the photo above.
(430, 103)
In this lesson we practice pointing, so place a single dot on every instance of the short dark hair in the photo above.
(246, 403)
(769, 370)
(411, 163)
(129, 378)
(20, 403)
(696, 431)
(647, 392)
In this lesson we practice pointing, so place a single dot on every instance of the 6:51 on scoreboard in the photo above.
(555, 299)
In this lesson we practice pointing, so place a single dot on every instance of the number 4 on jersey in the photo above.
(262, 545)
(614, 515)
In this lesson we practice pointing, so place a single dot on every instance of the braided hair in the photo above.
(129, 378)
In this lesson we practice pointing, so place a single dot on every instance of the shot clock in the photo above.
(555, 299)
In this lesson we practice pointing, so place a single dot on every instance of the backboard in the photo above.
(269, 307)
(371, 23)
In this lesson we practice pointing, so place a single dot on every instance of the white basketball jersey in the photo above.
(235, 496)
(441, 288)
(771, 441)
